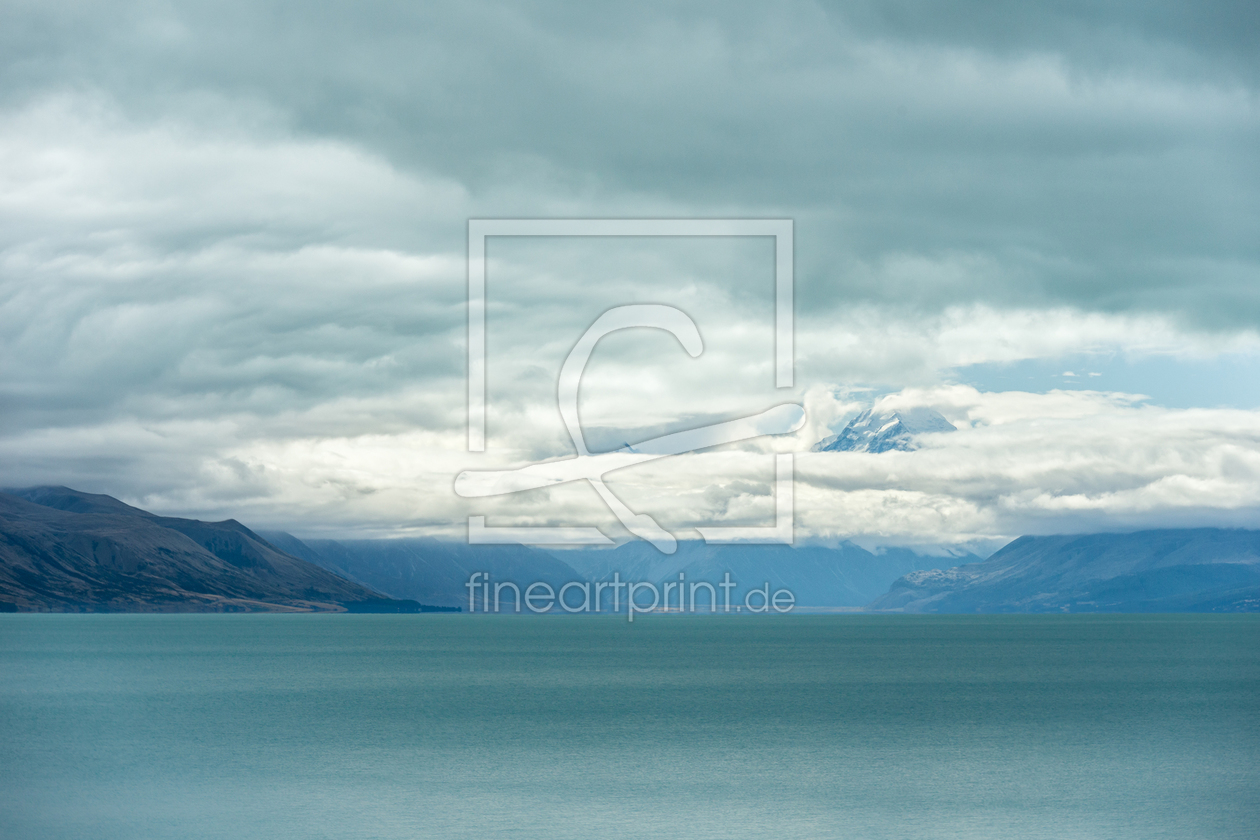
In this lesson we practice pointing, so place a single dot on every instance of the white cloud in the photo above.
(1019, 463)
(1042, 463)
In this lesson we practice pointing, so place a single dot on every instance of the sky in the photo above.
(233, 243)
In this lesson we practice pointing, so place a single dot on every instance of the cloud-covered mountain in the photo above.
(1192, 570)
(66, 551)
(875, 432)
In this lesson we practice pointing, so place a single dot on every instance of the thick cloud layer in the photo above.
(232, 247)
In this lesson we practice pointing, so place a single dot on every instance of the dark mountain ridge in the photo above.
(63, 550)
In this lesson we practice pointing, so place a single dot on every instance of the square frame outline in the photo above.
(782, 230)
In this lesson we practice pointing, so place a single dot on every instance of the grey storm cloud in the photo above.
(1100, 155)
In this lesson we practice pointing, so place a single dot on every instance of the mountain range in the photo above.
(846, 575)
(1183, 570)
(65, 550)
(436, 572)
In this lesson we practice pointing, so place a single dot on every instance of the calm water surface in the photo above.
(447, 726)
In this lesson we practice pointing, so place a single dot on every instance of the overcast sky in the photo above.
(233, 235)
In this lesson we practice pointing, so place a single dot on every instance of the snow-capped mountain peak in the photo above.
(884, 431)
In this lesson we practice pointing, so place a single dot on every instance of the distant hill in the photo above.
(844, 576)
(66, 551)
(1191, 570)
(427, 570)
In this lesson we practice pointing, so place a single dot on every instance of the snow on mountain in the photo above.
(885, 431)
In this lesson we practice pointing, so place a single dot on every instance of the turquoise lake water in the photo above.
(452, 726)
